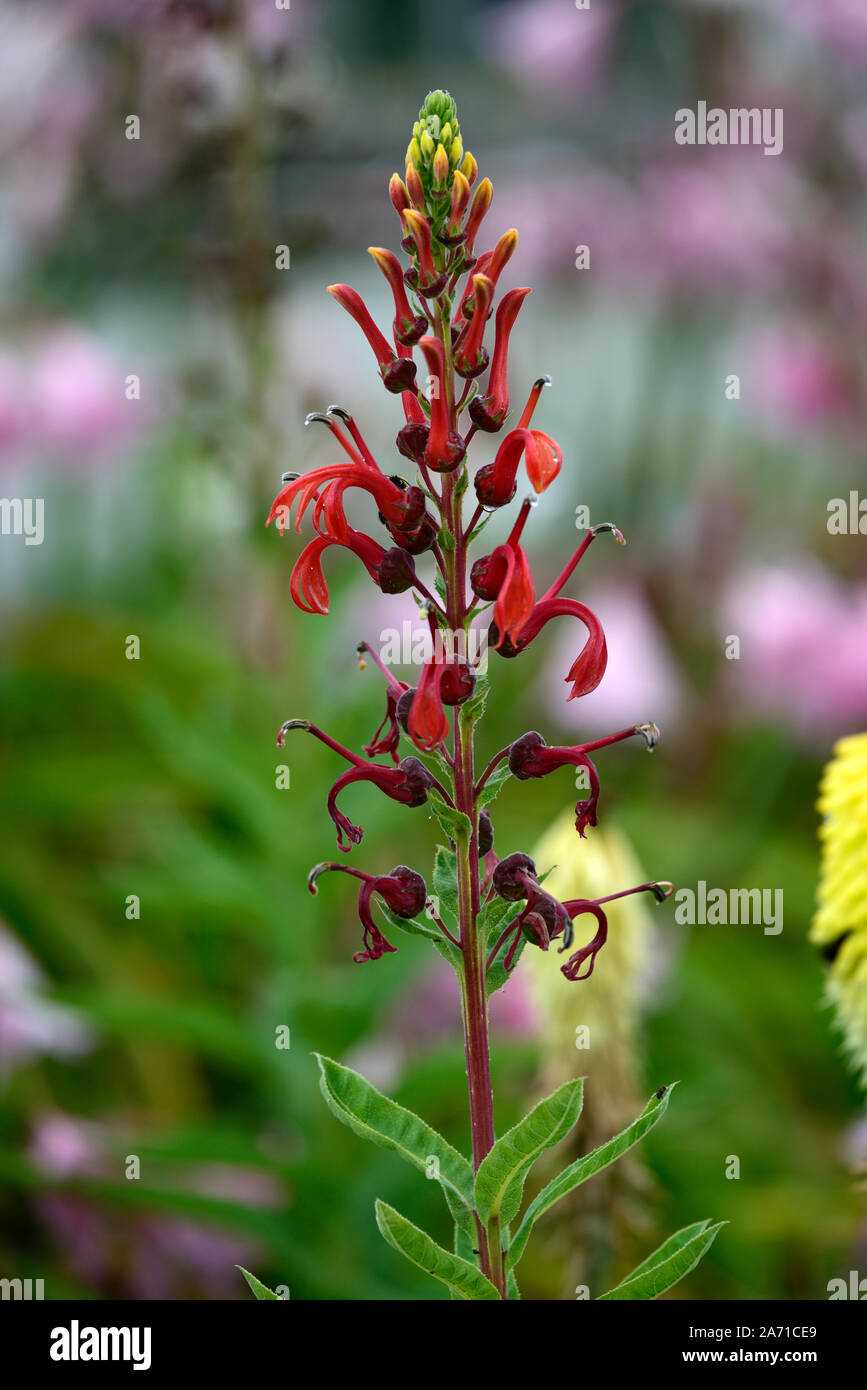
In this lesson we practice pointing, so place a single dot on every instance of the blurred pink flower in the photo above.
(64, 401)
(78, 397)
(31, 1026)
(841, 24)
(141, 1256)
(802, 381)
(549, 45)
(803, 648)
(641, 681)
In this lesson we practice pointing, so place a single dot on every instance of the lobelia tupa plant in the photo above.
(484, 910)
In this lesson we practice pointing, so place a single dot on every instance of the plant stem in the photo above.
(473, 988)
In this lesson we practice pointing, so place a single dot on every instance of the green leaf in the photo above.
(455, 824)
(493, 922)
(474, 707)
(495, 783)
(500, 1179)
(669, 1263)
(463, 1278)
(259, 1289)
(445, 879)
(373, 1116)
(587, 1167)
(413, 927)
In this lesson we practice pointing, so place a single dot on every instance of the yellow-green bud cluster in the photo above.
(436, 149)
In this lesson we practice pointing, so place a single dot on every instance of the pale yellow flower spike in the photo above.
(840, 923)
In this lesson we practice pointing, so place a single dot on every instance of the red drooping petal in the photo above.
(428, 722)
(517, 594)
(543, 459)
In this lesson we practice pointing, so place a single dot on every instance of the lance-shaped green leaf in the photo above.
(587, 1167)
(669, 1263)
(461, 1277)
(259, 1289)
(373, 1116)
(455, 824)
(494, 919)
(413, 927)
(445, 879)
(502, 1173)
(495, 783)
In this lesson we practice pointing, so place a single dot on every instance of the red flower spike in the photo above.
(471, 359)
(444, 449)
(489, 411)
(408, 327)
(479, 206)
(398, 374)
(588, 669)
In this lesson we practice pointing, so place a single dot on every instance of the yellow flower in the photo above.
(840, 924)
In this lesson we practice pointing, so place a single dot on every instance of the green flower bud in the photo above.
(427, 146)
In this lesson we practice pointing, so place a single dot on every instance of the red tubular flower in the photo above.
(489, 411)
(403, 891)
(587, 670)
(530, 756)
(579, 907)
(479, 206)
(398, 373)
(495, 483)
(444, 449)
(427, 280)
(471, 358)
(386, 739)
(502, 254)
(408, 327)
(408, 783)
(307, 584)
(505, 576)
(398, 194)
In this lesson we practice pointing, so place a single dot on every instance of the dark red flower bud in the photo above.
(396, 571)
(457, 682)
(404, 891)
(510, 876)
(412, 441)
(486, 832)
(404, 705)
(418, 538)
